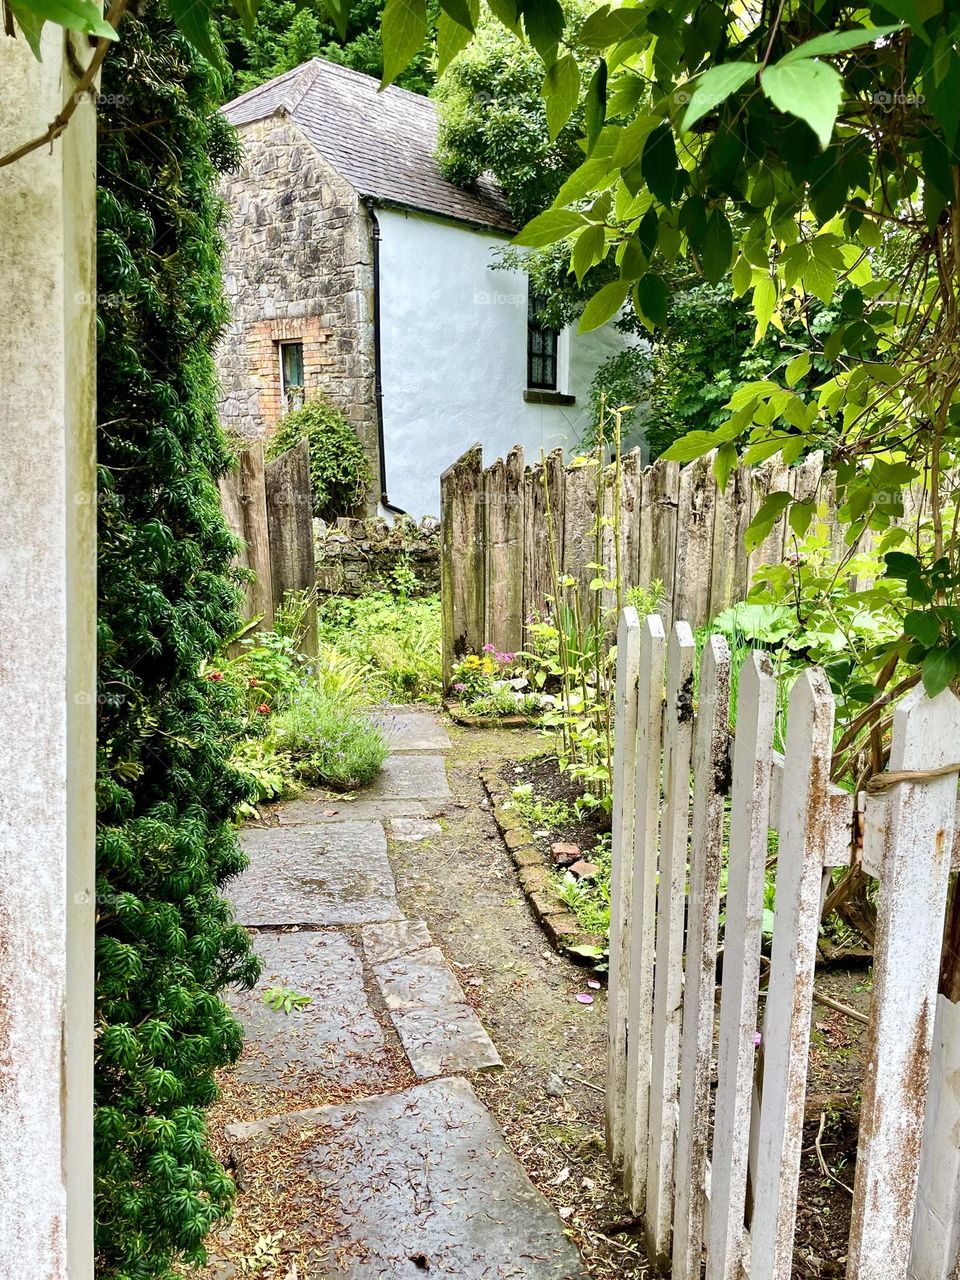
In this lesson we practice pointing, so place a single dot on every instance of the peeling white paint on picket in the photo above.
(710, 769)
(639, 975)
(906, 1223)
(668, 968)
(621, 874)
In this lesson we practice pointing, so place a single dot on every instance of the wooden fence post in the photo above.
(668, 969)
(256, 532)
(914, 878)
(736, 1054)
(289, 500)
(935, 1245)
(503, 561)
(710, 786)
(462, 575)
(621, 874)
(697, 498)
(643, 920)
(804, 833)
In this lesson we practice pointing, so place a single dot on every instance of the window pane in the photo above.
(536, 371)
(291, 360)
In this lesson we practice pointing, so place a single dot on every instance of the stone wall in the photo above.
(298, 267)
(358, 556)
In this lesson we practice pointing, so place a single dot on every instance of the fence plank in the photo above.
(749, 809)
(711, 783)
(289, 502)
(694, 554)
(504, 540)
(728, 572)
(911, 913)
(643, 922)
(936, 1226)
(543, 511)
(631, 488)
(771, 477)
(579, 537)
(621, 875)
(786, 1032)
(462, 574)
(663, 530)
(668, 970)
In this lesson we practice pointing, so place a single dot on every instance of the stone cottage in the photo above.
(356, 271)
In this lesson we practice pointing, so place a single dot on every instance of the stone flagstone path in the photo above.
(411, 1180)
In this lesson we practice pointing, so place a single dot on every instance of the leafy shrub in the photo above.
(166, 789)
(396, 638)
(330, 742)
(339, 468)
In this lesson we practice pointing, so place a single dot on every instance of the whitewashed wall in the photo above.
(454, 357)
(47, 668)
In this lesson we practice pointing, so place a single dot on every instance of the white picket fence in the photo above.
(687, 1153)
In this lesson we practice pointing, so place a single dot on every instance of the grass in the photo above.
(330, 743)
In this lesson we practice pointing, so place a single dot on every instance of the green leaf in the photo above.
(724, 463)
(549, 227)
(588, 250)
(801, 516)
(247, 10)
(339, 14)
(561, 92)
(592, 175)
(924, 626)
(543, 22)
(835, 42)
(900, 565)
(464, 12)
(770, 512)
(659, 163)
(30, 23)
(714, 87)
(798, 368)
(604, 305)
(764, 303)
(810, 90)
(78, 15)
(689, 447)
(507, 12)
(595, 104)
(605, 27)
(193, 20)
(939, 668)
(742, 277)
(717, 246)
(403, 30)
(452, 38)
(653, 299)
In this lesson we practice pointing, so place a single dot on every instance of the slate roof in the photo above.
(382, 143)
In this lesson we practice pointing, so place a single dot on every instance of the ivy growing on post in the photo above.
(166, 945)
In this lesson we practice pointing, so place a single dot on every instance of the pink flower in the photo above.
(263, 709)
(489, 648)
(214, 675)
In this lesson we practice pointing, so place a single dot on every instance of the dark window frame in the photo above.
(291, 393)
(543, 344)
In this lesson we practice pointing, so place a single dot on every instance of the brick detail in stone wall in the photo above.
(358, 556)
(263, 353)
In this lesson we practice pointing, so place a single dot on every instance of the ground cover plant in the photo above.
(340, 473)
(492, 685)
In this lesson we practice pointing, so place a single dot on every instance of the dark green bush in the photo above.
(166, 792)
(339, 468)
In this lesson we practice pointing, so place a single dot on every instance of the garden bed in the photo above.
(531, 850)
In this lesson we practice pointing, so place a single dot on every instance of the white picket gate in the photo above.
(677, 768)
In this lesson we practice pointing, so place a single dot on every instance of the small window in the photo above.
(541, 347)
(291, 373)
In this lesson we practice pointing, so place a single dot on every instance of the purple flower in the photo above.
(505, 658)
(489, 648)
(460, 688)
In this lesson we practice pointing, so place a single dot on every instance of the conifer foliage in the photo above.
(166, 794)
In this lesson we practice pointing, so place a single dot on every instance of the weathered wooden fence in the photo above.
(687, 1154)
(269, 505)
(676, 528)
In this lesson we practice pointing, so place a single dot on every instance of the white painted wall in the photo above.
(454, 357)
(47, 668)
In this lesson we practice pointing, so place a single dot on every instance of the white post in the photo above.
(621, 874)
(936, 1226)
(749, 817)
(710, 785)
(47, 667)
(643, 919)
(913, 894)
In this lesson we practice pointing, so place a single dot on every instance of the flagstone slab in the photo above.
(318, 809)
(436, 1024)
(335, 1037)
(394, 938)
(410, 777)
(411, 730)
(413, 830)
(416, 1181)
(321, 875)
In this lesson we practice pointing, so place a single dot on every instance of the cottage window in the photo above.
(541, 347)
(291, 374)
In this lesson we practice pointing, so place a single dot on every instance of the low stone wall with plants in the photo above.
(355, 557)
